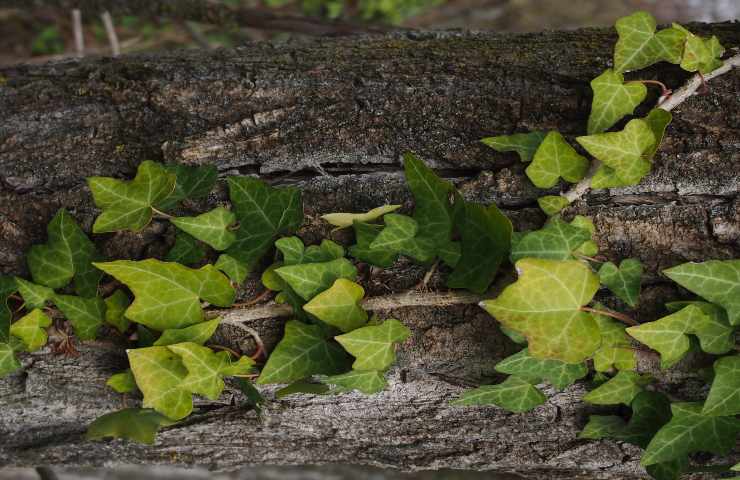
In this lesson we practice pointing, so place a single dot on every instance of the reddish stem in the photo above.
(609, 313)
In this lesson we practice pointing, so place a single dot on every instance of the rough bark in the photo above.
(333, 116)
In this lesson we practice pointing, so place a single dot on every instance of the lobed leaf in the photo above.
(34, 296)
(513, 394)
(524, 144)
(115, 308)
(199, 333)
(622, 388)
(233, 268)
(624, 281)
(207, 368)
(86, 315)
(616, 349)
(212, 228)
(8, 362)
(339, 306)
(552, 204)
(309, 279)
(555, 158)
(186, 250)
(365, 235)
(7, 288)
(374, 346)
(613, 99)
(123, 382)
(159, 374)
(724, 396)
(190, 183)
(31, 329)
(555, 241)
(139, 425)
(639, 46)
(534, 370)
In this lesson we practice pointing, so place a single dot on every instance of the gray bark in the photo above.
(333, 116)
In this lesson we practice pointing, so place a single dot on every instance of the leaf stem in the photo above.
(610, 313)
(161, 214)
(665, 91)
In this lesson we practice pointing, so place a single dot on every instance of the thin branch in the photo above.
(677, 98)
(110, 30)
(77, 28)
(610, 313)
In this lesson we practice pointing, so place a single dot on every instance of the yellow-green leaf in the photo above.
(552, 204)
(365, 381)
(123, 382)
(624, 281)
(639, 46)
(339, 305)
(374, 346)
(553, 159)
(8, 362)
(159, 374)
(555, 241)
(233, 268)
(207, 368)
(365, 234)
(34, 296)
(534, 370)
(622, 388)
(115, 307)
(616, 349)
(700, 54)
(344, 220)
(613, 99)
(524, 144)
(86, 315)
(198, 333)
(139, 425)
(310, 279)
(513, 394)
(32, 329)
(212, 228)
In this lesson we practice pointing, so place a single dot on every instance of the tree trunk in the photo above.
(333, 117)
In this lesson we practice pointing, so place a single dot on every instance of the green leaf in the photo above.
(295, 252)
(513, 394)
(159, 374)
(365, 234)
(534, 370)
(34, 296)
(658, 120)
(123, 382)
(344, 220)
(302, 388)
(115, 307)
(716, 280)
(552, 204)
(7, 288)
(67, 253)
(544, 305)
(639, 46)
(253, 396)
(310, 279)
(168, 294)
(700, 54)
(606, 177)
(724, 396)
(339, 306)
(263, 213)
(525, 144)
(128, 205)
(367, 382)
(616, 349)
(555, 241)
(186, 250)
(613, 99)
(139, 425)
(233, 268)
(191, 183)
(624, 281)
(689, 431)
(553, 159)
(486, 241)
(374, 346)
(32, 329)
(303, 351)
(212, 228)
(8, 362)
(85, 314)
(668, 470)
(198, 333)
(623, 151)
(401, 235)
(207, 368)
(622, 388)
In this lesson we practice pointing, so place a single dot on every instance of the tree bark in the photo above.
(333, 116)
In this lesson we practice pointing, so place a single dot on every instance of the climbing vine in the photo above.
(170, 309)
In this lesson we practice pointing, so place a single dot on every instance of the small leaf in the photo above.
(123, 382)
(616, 349)
(544, 305)
(701, 54)
(233, 268)
(128, 205)
(85, 314)
(32, 330)
(191, 183)
(34, 296)
(207, 368)
(552, 204)
(555, 241)
(639, 46)
(553, 159)
(139, 425)
(186, 250)
(623, 151)
(613, 99)
(622, 388)
(374, 346)
(534, 370)
(400, 235)
(212, 228)
(303, 351)
(606, 177)
(302, 387)
(159, 374)
(624, 280)
(8, 362)
(295, 252)
(724, 396)
(199, 333)
(365, 234)
(310, 279)
(658, 120)
(525, 144)
(115, 306)
(367, 382)
(689, 431)
(513, 394)
(253, 396)
(344, 220)
(339, 306)
(168, 294)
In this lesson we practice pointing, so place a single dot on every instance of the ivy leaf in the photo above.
(622, 388)
(344, 220)
(137, 424)
(309, 279)
(374, 346)
(668, 470)
(524, 144)
(606, 177)
(367, 382)
(513, 394)
(700, 54)
(67, 253)
(191, 183)
(553, 159)
(31, 329)
(716, 280)
(639, 46)
(544, 305)
(616, 349)
(303, 351)
(212, 228)
(8, 362)
(624, 281)
(198, 334)
(689, 431)
(115, 307)
(295, 252)
(127, 205)
(486, 241)
(555, 241)
(263, 213)
(724, 396)
(168, 294)
(7, 288)
(186, 250)
(613, 99)
(400, 235)
(302, 388)
(34, 296)
(552, 204)
(623, 151)
(207, 368)
(123, 382)
(85, 314)
(365, 234)
(233, 268)
(533, 370)
(658, 120)
(339, 306)
(253, 397)
(159, 374)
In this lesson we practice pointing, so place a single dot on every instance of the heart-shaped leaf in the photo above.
(310, 279)
(613, 99)
(159, 374)
(724, 396)
(344, 220)
(624, 281)
(31, 329)
(374, 346)
(534, 370)
(513, 394)
(207, 368)
(639, 46)
(339, 306)
(552, 204)
(212, 228)
(622, 388)
(557, 240)
(137, 424)
(34, 296)
(553, 159)
(524, 144)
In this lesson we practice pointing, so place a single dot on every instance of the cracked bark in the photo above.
(350, 107)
